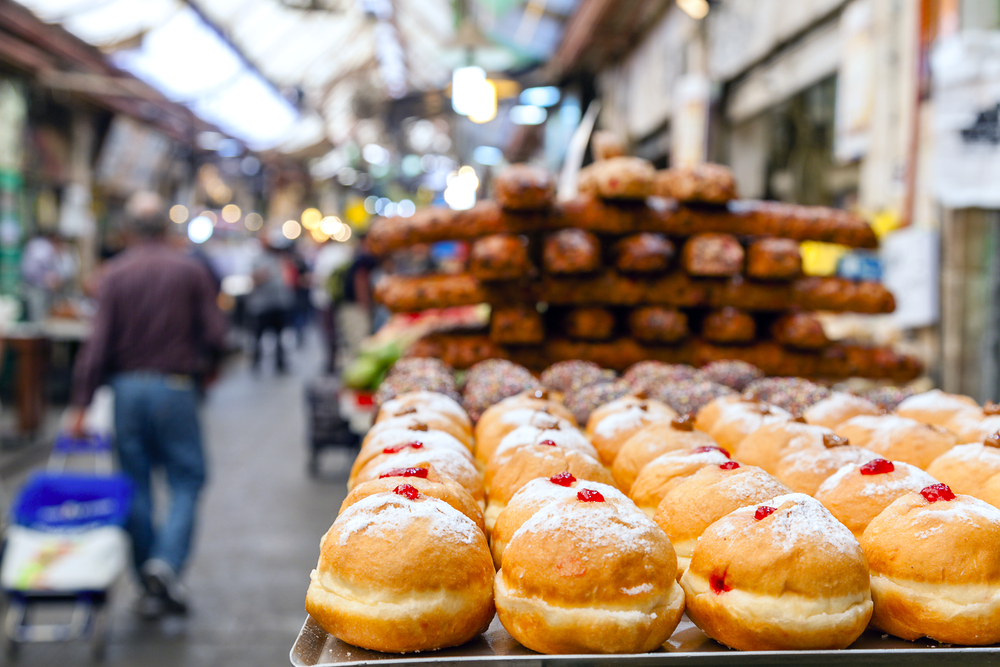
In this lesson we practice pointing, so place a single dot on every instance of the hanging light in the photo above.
(696, 9)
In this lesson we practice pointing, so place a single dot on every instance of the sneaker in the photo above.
(161, 581)
(149, 607)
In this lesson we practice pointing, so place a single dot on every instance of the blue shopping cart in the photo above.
(65, 546)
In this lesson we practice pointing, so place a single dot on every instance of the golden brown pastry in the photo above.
(837, 408)
(413, 419)
(446, 462)
(532, 462)
(705, 184)
(766, 446)
(426, 480)
(712, 255)
(774, 259)
(729, 419)
(644, 253)
(658, 324)
(610, 425)
(590, 323)
(652, 441)
(524, 187)
(525, 436)
(571, 251)
(500, 257)
(400, 572)
(585, 575)
(666, 471)
(975, 425)
(897, 438)
(803, 471)
(516, 325)
(967, 468)
(728, 326)
(935, 407)
(618, 178)
(935, 567)
(697, 501)
(392, 441)
(536, 495)
(426, 400)
(800, 330)
(780, 574)
(858, 493)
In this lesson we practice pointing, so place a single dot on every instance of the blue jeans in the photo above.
(156, 425)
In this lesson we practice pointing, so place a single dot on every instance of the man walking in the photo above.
(156, 330)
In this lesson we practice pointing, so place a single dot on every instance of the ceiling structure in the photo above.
(291, 74)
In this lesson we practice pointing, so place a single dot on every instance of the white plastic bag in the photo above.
(41, 561)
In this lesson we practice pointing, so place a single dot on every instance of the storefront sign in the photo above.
(966, 73)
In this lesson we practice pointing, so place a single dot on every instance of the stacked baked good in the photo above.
(763, 520)
(666, 266)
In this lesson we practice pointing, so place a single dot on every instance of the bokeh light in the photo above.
(179, 214)
(200, 229)
(231, 213)
(253, 221)
(291, 229)
(311, 218)
(331, 225)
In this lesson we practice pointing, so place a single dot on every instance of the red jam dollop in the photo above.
(405, 472)
(548, 443)
(395, 449)
(590, 496)
(702, 450)
(718, 584)
(763, 512)
(730, 465)
(877, 467)
(407, 490)
(563, 479)
(936, 492)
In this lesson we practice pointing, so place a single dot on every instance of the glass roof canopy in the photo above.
(236, 63)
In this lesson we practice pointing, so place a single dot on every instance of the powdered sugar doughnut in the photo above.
(696, 502)
(935, 407)
(766, 446)
(417, 419)
(729, 419)
(777, 575)
(666, 471)
(858, 493)
(935, 567)
(524, 436)
(609, 426)
(803, 471)
(585, 575)
(494, 427)
(395, 440)
(537, 494)
(401, 572)
(426, 400)
(837, 408)
(652, 441)
(966, 468)
(446, 462)
(898, 438)
(975, 425)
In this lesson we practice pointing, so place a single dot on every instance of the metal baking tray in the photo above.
(314, 647)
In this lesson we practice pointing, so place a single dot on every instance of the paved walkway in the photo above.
(262, 520)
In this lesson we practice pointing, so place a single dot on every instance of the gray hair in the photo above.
(145, 215)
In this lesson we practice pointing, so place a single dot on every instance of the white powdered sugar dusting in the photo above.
(836, 404)
(541, 490)
(566, 438)
(935, 400)
(681, 458)
(638, 590)
(630, 419)
(385, 515)
(820, 461)
(594, 524)
(904, 479)
(444, 461)
(965, 509)
(747, 417)
(973, 453)
(430, 439)
(808, 520)
(748, 485)
(881, 426)
(425, 399)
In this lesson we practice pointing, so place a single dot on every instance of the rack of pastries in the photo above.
(643, 265)
(591, 511)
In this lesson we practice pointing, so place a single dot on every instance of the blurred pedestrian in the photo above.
(157, 328)
(328, 277)
(270, 301)
(48, 268)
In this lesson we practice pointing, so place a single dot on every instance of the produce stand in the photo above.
(314, 647)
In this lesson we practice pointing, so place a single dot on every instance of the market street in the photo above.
(261, 523)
